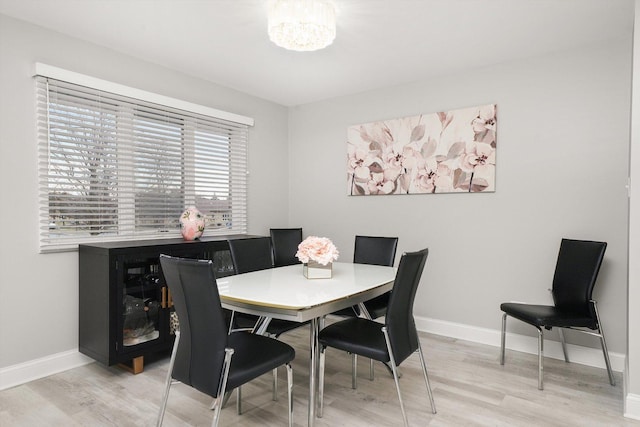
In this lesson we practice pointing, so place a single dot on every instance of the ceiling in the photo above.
(379, 43)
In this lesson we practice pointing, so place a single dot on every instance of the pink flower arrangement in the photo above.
(318, 249)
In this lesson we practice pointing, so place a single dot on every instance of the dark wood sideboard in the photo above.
(125, 306)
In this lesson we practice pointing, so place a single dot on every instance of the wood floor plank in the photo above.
(470, 388)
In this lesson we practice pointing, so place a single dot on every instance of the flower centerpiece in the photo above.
(317, 255)
(191, 223)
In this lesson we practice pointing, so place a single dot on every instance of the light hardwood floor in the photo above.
(469, 385)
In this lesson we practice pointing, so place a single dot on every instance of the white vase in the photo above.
(315, 270)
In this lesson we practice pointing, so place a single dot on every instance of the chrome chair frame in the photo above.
(362, 254)
(221, 394)
(218, 401)
(394, 370)
(599, 334)
(365, 336)
(574, 279)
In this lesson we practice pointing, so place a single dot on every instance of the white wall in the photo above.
(562, 147)
(632, 371)
(39, 293)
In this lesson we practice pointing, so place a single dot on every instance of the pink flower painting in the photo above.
(445, 152)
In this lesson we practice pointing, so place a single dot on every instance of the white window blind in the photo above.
(112, 167)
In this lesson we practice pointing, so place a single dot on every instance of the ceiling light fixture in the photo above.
(302, 25)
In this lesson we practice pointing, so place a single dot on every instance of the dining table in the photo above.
(285, 293)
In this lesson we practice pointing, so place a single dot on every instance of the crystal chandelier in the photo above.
(302, 25)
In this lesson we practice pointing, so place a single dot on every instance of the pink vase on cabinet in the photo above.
(191, 223)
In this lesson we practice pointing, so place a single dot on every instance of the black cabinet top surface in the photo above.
(133, 244)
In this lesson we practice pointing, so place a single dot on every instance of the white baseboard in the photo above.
(577, 354)
(12, 376)
(632, 406)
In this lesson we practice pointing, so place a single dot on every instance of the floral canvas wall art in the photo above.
(445, 152)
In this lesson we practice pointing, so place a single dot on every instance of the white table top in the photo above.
(284, 292)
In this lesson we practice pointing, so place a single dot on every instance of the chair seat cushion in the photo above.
(356, 335)
(547, 315)
(255, 355)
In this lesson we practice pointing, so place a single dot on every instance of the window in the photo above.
(117, 167)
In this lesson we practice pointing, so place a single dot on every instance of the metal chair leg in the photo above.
(371, 369)
(223, 384)
(275, 384)
(216, 406)
(239, 400)
(224, 400)
(321, 382)
(564, 345)
(503, 336)
(361, 311)
(165, 398)
(540, 349)
(354, 371)
(540, 356)
(290, 392)
(426, 378)
(395, 374)
(233, 316)
(605, 352)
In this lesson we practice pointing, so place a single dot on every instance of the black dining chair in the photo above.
(392, 342)
(253, 254)
(377, 251)
(204, 356)
(374, 250)
(573, 308)
(284, 242)
(247, 255)
(250, 254)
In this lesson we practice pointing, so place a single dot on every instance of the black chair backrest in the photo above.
(251, 254)
(375, 250)
(399, 319)
(285, 243)
(576, 273)
(203, 331)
